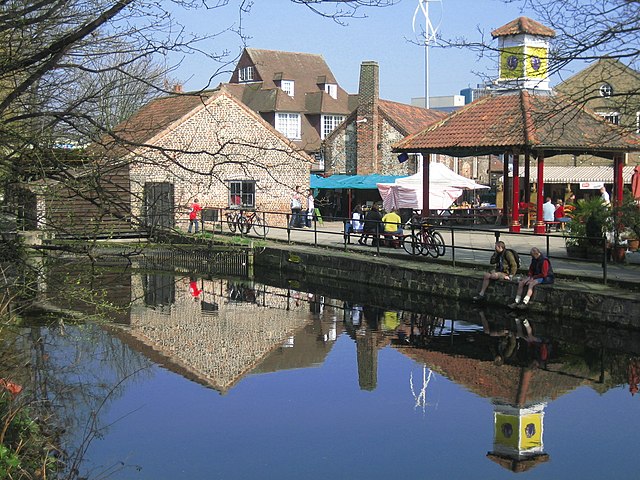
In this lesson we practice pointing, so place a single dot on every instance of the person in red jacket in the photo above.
(540, 271)
(193, 215)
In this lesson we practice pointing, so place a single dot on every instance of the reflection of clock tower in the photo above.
(517, 443)
(524, 54)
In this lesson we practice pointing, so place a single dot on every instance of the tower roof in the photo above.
(523, 25)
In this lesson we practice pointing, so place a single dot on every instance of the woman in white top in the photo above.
(310, 208)
(356, 219)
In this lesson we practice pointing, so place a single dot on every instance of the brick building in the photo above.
(173, 150)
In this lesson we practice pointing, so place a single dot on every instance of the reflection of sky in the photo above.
(317, 424)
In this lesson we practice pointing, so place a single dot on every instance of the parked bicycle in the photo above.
(232, 220)
(424, 240)
(251, 219)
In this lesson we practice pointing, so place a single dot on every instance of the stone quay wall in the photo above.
(570, 299)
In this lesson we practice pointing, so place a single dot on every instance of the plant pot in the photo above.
(618, 253)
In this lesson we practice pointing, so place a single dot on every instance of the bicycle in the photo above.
(248, 220)
(232, 220)
(424, 241)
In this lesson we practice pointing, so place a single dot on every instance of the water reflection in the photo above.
(227, 334)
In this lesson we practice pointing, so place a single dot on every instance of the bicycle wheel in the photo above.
(260, 227)
(244, 225)
(428, 245)
(412, 245)
(439, 243)
(232, 222)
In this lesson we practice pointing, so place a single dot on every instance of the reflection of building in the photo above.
(247, 331)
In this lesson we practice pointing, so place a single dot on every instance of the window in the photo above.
(329, 124)
(606, 90)
(331, 89)
(287, 87)
(288, 124)
(246, 74)
(612, 117)
(242, 194)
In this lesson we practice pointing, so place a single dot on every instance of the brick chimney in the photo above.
(367, 131)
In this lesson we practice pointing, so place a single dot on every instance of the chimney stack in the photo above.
(367, 133)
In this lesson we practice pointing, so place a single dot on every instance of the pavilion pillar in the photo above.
(540, 228)
(505, 189)
(618, 182)
(527, 186)
(426, 160)
(514, 226)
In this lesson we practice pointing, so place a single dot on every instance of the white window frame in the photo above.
(289, 124)
(243, 190)
(637, 122)
(245, 74)
(329, 124)
(611, 117)
(331, 89)
(288, 87)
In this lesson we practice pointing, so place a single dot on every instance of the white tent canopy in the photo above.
(445, 186)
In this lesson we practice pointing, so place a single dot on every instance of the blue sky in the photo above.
(384, 36)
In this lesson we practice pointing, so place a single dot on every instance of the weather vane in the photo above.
(430, 35)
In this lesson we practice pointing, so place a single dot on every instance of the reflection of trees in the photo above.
(77, 372)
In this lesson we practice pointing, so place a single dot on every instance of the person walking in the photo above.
(296, 208)
(310, 208)
(506, 266)
(540, 272)
(193, 215)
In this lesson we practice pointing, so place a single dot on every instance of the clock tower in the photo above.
(524, 55)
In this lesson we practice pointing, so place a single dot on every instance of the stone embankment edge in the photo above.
(573, 299)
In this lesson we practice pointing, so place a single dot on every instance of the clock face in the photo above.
(535, 63)
(512, 62)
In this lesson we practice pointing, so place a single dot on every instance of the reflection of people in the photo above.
(193, 288)
(540, 271)
(193, 215)
(505, 267)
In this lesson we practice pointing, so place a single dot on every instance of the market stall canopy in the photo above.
(445, 186)
(359, 182)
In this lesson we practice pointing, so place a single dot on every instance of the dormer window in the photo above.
(246, 74)
(287, 87)
(606, 90)
(331, 89)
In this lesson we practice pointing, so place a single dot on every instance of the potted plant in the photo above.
(627, 218)
(591, 219)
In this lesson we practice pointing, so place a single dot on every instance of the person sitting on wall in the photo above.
(540, 272)
(371, 226)
(506, 266)
(392, 226)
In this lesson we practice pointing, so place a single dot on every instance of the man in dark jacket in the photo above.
(506, 267)
(540, 271)
(371, 226)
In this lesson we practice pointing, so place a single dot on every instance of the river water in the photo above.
(218, 378)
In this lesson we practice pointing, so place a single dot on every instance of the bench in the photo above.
(548, 225)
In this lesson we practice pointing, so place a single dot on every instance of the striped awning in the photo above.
(578, 174)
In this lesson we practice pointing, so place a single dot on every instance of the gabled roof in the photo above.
(523, 25)
(159, 116)
(408, 118)
(309, 73)
(605, 69)
(522, 120)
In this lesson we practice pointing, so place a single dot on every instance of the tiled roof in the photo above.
(495, 123)
(523, 25)
(407, 118)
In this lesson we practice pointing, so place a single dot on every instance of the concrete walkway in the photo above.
(473, 247)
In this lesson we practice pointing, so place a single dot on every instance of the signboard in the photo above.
(591, 185)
